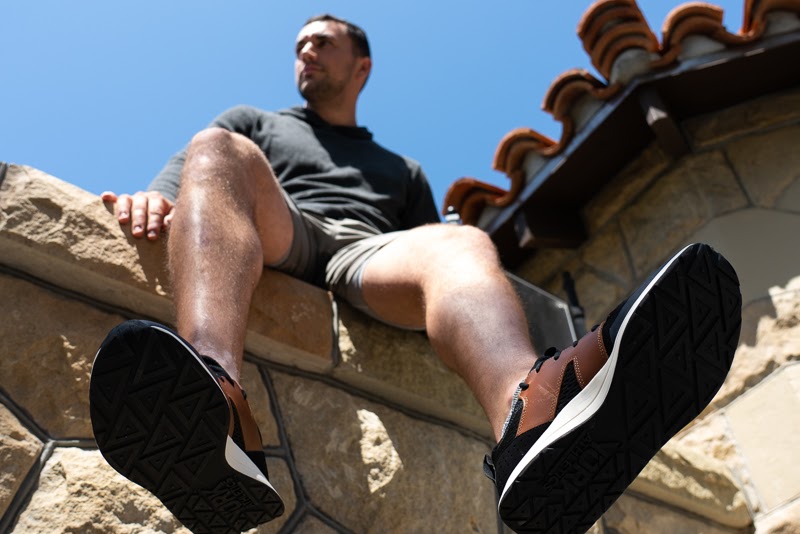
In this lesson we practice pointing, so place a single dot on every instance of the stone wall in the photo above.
(365, 430)
(739, 190)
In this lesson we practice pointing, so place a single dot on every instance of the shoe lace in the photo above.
(551, 352)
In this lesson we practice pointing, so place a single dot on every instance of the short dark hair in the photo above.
(356, 34)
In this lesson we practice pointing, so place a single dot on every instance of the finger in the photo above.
(138, 214)
(154, 222)
(124, 209)
(159, 208)
(168, 219)
(108, 196)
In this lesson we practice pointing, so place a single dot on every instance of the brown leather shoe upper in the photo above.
(540, 398)
(236, 400)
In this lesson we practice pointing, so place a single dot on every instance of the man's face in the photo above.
(325, 62)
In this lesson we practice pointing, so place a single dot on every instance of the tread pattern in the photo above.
(674, 357)
(161, 421)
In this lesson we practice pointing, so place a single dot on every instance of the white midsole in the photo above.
(239, 461)
(587, 402)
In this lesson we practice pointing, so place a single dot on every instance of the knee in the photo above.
(213, 136)
(219, 142)
(216, 155)
(462, 243)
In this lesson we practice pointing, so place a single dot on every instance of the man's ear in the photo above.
(365, 67)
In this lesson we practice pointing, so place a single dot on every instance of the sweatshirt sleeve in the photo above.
(240, 119)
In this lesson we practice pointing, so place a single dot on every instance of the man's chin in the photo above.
(312, 92)
(307, 88)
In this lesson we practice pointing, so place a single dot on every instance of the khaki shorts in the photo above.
(332, 253)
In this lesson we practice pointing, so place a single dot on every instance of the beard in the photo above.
(325, 86)
(324, 90)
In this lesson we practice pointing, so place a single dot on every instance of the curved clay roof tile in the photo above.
(691, 18)
(617, 14)
(595, 12)
(617, 41)
(507, 157)
(469, 196)
(755, 13)
(695, 18)
(567, 87)
(610, 27)
(564, 93)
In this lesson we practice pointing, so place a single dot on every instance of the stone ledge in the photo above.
(59, 233)
(65, 236)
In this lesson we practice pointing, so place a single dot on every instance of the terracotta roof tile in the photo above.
(695, 18)
(603, 12)
(755, 13)
(469, 196)
(609, 27)
(516, 144)
(608, 30)
(563, 94)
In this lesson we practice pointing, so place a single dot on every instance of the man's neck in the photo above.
(335, 115)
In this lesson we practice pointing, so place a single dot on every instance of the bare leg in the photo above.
(449, 279)
(230, 220)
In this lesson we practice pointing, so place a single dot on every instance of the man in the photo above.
(306, 191)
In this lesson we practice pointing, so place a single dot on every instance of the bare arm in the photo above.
(148, 213)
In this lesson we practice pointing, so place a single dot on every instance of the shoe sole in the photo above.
(161, 420)
(672, 351)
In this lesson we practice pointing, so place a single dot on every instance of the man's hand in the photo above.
(149, 212)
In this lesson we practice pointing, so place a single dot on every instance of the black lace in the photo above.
(553, 353)
(218, 370)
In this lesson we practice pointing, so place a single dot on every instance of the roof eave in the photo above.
(649, 107)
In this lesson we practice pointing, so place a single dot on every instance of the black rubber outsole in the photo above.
(161, 420)
(674, 356)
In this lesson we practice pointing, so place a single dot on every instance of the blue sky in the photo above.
(101, 93)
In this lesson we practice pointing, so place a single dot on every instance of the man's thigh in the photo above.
(402, 274)
(390, 280)
(238, 159)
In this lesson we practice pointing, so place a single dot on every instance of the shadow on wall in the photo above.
(152, 256)
(761, 246)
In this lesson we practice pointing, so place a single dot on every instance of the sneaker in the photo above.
(587, 419)
(177, 424)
